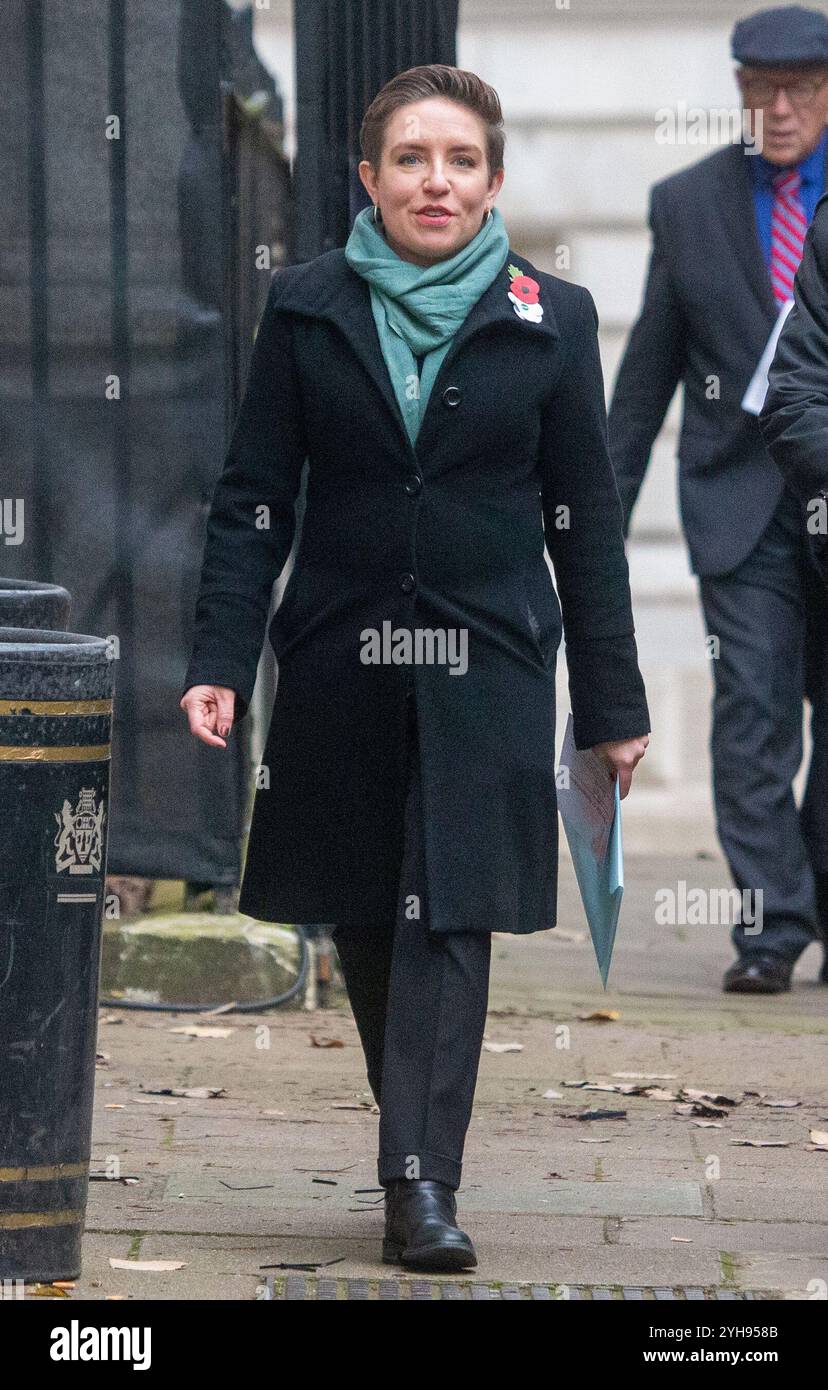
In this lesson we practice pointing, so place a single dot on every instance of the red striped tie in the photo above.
(788, 228)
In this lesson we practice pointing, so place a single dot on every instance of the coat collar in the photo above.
(328, 287)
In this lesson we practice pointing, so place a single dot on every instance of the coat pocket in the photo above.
(542, 618)
(283, 623)
(305, 606)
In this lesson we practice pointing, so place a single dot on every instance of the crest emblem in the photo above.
(79, 839)
(524, 293)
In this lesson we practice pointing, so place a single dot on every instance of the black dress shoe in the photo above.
(421, 1230)
(760, 972)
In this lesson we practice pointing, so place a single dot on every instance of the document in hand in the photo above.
(754, 397)
(590, 807)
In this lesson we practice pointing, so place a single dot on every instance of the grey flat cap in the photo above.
(785, 35)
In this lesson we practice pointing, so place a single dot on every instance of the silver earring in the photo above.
(377, 215)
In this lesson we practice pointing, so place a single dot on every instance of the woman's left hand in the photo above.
(621, 758)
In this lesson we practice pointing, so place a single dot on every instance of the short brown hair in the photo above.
(434, 80)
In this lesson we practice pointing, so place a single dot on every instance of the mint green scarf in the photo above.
(418, 309)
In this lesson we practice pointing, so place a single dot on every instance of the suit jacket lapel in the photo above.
(736, 209)
(342, 296)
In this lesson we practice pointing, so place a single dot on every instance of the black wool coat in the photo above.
(446, 535)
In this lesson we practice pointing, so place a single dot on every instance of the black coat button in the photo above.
(451, 396)
(407, 583)
(412, 484)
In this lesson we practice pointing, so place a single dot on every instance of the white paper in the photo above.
(754, 397)
(589, 800)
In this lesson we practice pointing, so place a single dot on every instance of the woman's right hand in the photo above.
(211, 710)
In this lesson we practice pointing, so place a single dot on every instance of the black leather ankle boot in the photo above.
(421, 1229)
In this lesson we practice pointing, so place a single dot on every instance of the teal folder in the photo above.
(600, 875)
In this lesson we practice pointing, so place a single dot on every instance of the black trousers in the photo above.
(771, 618)
(419, 999)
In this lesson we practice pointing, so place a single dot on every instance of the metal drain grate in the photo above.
(308, 1287)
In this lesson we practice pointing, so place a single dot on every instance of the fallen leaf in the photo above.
(645, 1075)
(502, 1047)
(148, 1266)
(196, 1030)
(778, 1104)
(627, 1088)
(325, 1042)
(600, 1016)
(762, 1143)
(346, 1169)
(600, 1086)
(707, 1124)
(602, 1115)
(697, 1108)
(711, 1097)
(306, 1264)
(191, 1092)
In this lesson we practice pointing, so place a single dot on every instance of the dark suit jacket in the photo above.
(445, 536)
(794, 420)
(708, 311)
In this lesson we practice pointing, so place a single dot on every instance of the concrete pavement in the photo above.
(281, 1168)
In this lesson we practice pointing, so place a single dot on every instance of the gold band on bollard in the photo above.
(77, 753)
(20, 1220)
(56, 706)
(45, 1172)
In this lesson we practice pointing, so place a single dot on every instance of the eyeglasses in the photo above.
(800, 91)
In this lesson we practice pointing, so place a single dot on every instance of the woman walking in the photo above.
(449, 400)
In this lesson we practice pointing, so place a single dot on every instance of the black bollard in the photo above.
(55, 731)
(29, 603)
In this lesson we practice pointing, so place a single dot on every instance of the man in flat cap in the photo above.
(727, 239)
(794, 419)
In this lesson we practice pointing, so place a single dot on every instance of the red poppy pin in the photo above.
(524, 293)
